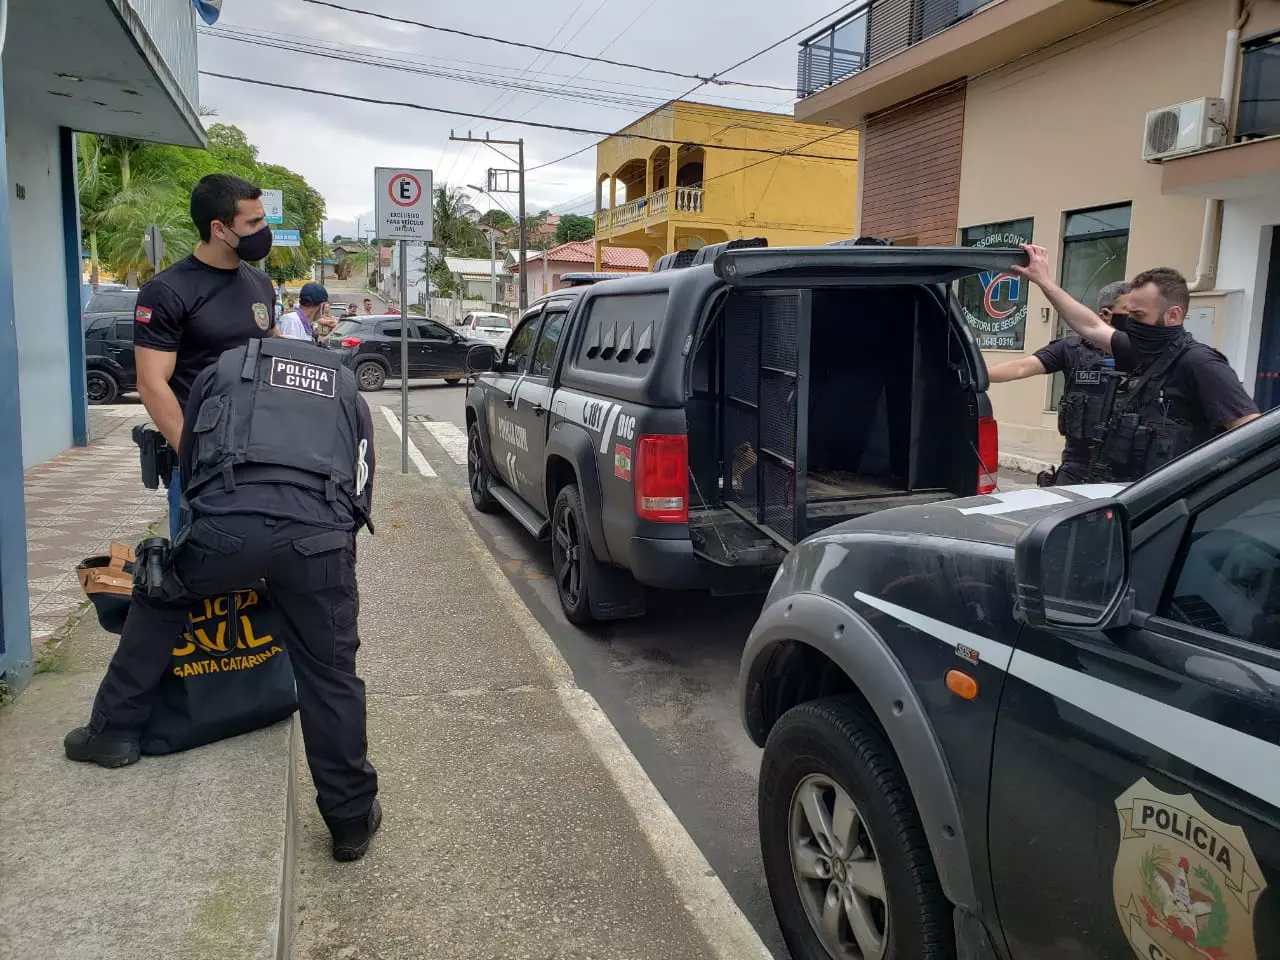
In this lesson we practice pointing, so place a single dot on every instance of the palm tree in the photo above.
(454, 224)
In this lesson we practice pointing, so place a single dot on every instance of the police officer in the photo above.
(213, 300)
(277, 460)
(1178, 394)
(1088, 373)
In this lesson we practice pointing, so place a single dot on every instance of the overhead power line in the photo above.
(586, 131)
(533, 46)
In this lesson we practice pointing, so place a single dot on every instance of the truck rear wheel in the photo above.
(478, 473)
(845, 855)
(574, 563)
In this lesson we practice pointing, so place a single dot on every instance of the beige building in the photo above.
(1027, 119)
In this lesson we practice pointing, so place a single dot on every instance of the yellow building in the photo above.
(663, 185)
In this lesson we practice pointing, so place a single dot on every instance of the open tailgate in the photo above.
(842, 266)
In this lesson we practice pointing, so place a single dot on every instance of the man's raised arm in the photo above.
(1075, 314)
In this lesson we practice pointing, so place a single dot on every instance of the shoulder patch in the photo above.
(296, 375)
(142, 315)
(1185, 883)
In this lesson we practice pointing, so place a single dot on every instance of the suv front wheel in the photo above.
(846, 858)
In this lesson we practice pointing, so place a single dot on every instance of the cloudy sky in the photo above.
(336, 144)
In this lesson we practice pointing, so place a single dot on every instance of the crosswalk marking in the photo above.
(451, 439)
(415, 454)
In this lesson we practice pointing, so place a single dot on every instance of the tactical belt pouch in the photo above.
(108, 583)
(1071, 416)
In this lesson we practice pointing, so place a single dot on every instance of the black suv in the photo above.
(1030, 725)
(370, 346)
(684, 428)
(122, 300)
(108, 356)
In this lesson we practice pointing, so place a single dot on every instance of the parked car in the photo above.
(111, 299)
(1033, 724)
(682, 429)
(370, 346)
(108, 356)
(494, 327)
(340, 310)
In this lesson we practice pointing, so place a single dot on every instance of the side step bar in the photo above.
(525, 515)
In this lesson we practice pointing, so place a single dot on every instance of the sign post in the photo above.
(273, 206)
(402, 208)
(153, 243)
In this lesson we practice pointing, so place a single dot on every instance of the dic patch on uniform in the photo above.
(1185, 883)
(307, 377)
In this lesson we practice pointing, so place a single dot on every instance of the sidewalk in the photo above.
(517, 822)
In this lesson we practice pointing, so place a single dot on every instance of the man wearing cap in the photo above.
(301, 324)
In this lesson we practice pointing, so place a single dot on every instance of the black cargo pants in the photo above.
(310, 574)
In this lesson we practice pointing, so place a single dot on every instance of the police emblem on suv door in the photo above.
(1185, 883)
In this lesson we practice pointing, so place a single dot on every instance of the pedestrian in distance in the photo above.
(1178, 394)
(1089, 373)
(191, 312)
(303, 323)
(282, 508)
(368, 307)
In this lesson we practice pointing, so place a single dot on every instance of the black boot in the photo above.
(104, 748)
(351, 838)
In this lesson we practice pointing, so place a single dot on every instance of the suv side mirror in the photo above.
(481, 358)
(1072, 568)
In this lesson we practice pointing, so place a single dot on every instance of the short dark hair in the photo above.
(215, 198)
(1171, 284)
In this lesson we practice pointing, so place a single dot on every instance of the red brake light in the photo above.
(350, 341)
(988, 454)
(662, 478)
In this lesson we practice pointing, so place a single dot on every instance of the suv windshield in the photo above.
(112, 301)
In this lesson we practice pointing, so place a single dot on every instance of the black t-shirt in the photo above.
(1064, 356)
(1214, 393)
(281, 500)
(198, 312)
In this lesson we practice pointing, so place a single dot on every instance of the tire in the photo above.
(101, 387)
(370, 375)
(478, 473)
(574, 565)
(816, 751)
(453, 381)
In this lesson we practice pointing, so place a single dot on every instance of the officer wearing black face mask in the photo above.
(1090, 376)
(215, 299)
(277, 461)
(1179, 393)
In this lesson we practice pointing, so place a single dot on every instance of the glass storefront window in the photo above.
(1095, 248)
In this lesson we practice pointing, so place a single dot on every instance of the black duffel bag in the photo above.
(229, 673)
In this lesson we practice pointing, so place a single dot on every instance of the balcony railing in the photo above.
(1259, 113)
(873, 33)
(661, 203)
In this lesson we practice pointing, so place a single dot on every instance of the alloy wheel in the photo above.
(837, 873)
(475, 468)
(569, 547)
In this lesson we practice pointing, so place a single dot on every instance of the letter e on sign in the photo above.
(406, 189)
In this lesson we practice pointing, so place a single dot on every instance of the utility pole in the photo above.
(500, 182)
(322, 253)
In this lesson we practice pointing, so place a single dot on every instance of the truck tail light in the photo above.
(350, 342)
(662, 478)
(988, 454)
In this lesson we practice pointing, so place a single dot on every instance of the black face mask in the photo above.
(255, 246)
(1120, 321)
(1150, 342)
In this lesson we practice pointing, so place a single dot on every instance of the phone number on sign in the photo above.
(999, 343)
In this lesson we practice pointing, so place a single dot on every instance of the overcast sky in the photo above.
(336, 144)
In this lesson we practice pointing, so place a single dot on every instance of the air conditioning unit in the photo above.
(1184, 128)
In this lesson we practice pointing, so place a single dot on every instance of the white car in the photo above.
(495, 327)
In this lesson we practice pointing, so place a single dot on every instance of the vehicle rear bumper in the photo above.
(673, 565)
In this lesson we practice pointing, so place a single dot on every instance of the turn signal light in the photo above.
(962, 685)
(662, 478)
(988, 454)
(350, 341)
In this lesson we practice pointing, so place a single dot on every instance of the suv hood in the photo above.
(841, 266)
(996, 518)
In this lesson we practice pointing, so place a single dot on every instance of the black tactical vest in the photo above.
(1080, 411)
(281, 411)
(1151, 423)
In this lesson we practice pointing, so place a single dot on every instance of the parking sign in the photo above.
(402, 203)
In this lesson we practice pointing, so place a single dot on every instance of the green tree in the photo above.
(446, 283)
(456, 232)
(497, 218)
(573, 227)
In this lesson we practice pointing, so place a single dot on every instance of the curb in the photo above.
(1024, 463)
(284, 931)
